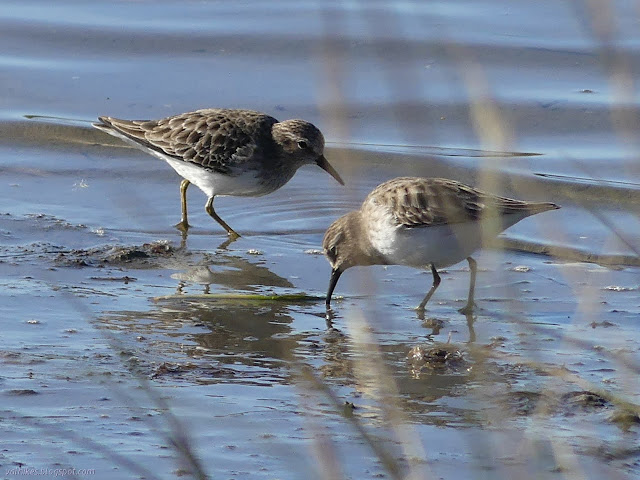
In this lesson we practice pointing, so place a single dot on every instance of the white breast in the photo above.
(213, 183)
(441, 245)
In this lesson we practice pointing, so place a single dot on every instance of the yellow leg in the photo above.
(436, 282)
(468, 308)
(183, 226)
(209, 208)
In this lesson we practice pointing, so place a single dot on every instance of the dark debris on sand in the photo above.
(438, 356)
(143, 256)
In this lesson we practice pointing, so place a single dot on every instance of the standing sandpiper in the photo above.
(420, 222)
(225, 152)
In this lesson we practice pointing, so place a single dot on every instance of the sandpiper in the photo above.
(421, 222)
(225, 151)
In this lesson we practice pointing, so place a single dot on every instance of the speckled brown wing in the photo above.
(216, 139)
(419, 202)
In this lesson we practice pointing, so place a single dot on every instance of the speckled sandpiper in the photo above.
(226, 151)
(421, 222)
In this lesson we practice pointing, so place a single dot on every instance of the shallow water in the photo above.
(112, 319)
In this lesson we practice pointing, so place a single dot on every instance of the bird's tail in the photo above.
(540, 207)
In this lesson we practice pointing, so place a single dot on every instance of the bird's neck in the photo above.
(365, 252)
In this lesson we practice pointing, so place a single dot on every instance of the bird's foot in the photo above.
(420, 312)
(228, 241)
(183, 226)
(468, 309)
(328, 317)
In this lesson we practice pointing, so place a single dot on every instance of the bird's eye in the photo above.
(303, 145)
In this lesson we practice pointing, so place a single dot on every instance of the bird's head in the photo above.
(303, 142)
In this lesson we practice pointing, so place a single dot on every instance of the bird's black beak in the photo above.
(335, 275)
(326, 166)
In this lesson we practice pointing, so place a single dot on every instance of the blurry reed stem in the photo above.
(174, 434)
(388, 462)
